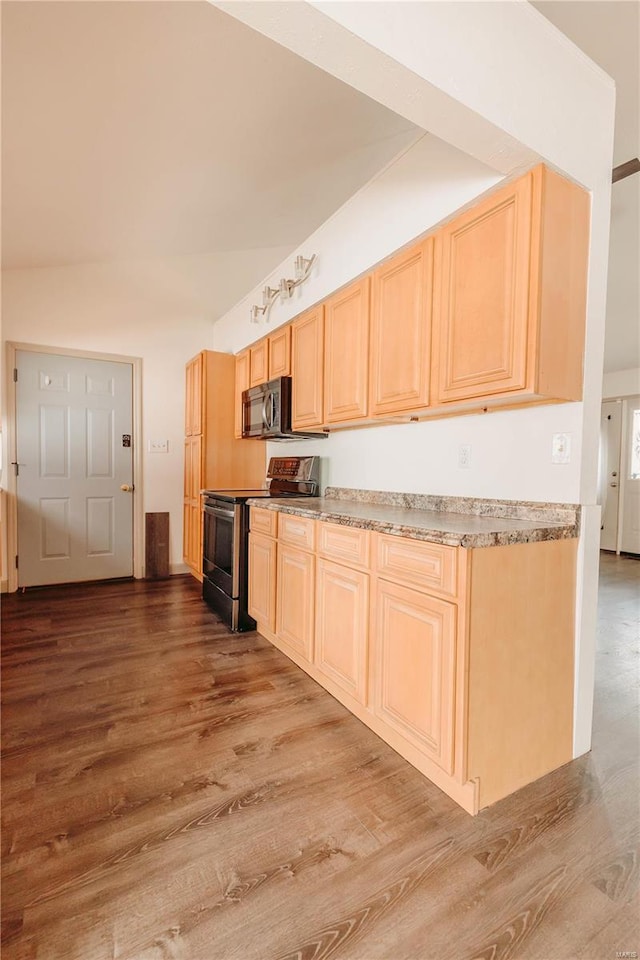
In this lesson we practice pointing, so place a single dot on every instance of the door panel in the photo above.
(262, 579)
(346, 353)
(295, 585)
(401, 300)
(100, 443)
(482, 280)
(54, 528)
(609, 473)
(414, 688)
(73, 419)
(630, 521)
(54, 442)
(100, 532)
(342, 626)
(307, 364)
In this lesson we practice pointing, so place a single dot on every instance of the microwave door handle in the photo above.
(267, 414)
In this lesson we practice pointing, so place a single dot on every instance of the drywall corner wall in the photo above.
(160, 311)
(621, 383)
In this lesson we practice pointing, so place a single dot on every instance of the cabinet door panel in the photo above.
(401, 300)
(241, 384)
(427, 566)
(193, 400)
(344, 544)
(295, 584)
(297, 531)
(263, 521)
(342, 626)
(307, 339)
(346, 353)
(414, 689)
(482, 281)
(262, 579)
(259, 363)
(280, 353)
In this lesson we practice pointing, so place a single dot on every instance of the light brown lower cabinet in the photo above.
(459, 659)
(342, 626)
(295, 591)
(262, 581)
(415, 669)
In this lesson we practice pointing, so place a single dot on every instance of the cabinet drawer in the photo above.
(344, 544)
(427, 566)
(298, 531)
(263, 521)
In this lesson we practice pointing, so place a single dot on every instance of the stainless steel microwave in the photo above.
(266, 412)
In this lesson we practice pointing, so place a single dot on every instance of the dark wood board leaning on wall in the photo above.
(156, 546)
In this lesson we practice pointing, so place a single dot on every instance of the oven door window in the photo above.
(220, 547)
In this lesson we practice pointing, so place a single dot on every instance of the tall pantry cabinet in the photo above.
(213, 457)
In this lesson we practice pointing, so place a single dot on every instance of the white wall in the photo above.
(621, 383)
(161, 311)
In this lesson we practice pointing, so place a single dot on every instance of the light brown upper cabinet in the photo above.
(346, 353)
(193, 397)
(280, 353)
(259, 365)
(510, 294)
(401, 298)
(307, 340)
(242, 384)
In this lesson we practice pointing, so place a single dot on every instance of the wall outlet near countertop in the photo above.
(464, 456)
(561, 448)
(158, 446)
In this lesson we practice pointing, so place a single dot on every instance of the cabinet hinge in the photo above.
(16, 561)
(15, 374)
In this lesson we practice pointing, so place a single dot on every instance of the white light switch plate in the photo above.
(158, 446)
(561, 448)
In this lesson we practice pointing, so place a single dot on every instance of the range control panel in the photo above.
(294, 468)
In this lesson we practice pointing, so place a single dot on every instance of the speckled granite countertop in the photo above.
(455, 521)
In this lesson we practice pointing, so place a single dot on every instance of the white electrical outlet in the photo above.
(464, 456)
(158, 446)
(561, 448)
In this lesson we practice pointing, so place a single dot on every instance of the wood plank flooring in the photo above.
(171, 790)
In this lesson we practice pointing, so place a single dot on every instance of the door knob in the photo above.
(126, 487)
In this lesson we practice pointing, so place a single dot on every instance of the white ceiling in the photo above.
(608, 31)
(158, 129)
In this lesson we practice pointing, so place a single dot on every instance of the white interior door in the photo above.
(73, 447)
(609, 472)
(630, 512)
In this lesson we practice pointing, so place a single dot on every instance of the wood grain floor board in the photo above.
(172, 791)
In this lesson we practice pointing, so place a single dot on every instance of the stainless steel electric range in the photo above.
(226, 535)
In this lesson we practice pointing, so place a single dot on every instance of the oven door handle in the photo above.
(218, 512)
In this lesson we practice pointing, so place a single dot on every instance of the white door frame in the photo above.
(10, 482)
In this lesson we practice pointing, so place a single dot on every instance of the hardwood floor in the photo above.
(171, 790)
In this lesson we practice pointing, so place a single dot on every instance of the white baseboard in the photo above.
(176, 568)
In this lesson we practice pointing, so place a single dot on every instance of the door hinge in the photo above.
(15, 374)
